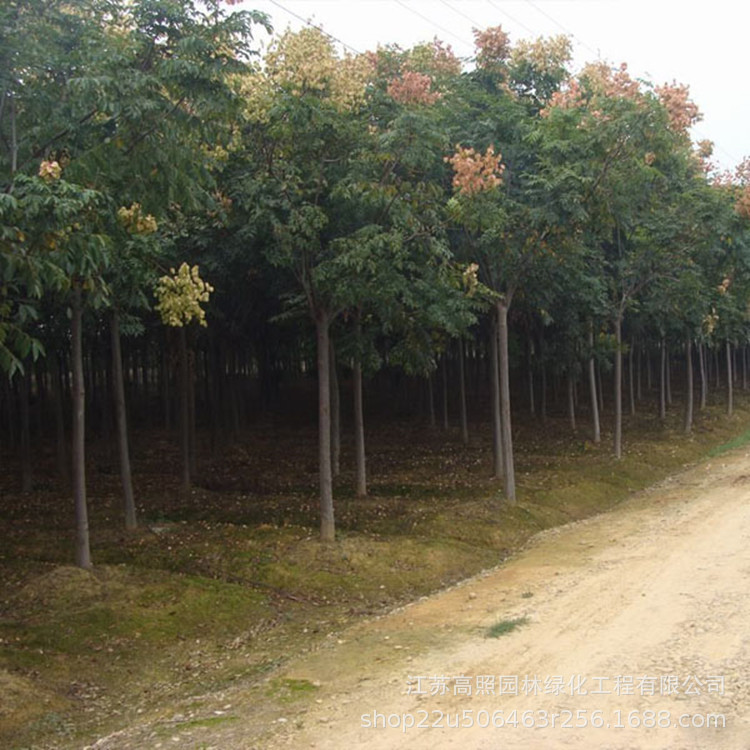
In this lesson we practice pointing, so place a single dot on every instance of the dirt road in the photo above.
(638, 622)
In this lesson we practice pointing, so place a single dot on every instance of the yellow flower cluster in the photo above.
(435, 59)
(470, 278)
(545, 54)
(303, 62)
(180, 295)
(709, 323)
(50, 170)
(135, 221)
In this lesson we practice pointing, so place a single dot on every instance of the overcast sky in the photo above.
(698, 43)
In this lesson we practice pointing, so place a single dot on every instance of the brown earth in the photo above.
(654, 592)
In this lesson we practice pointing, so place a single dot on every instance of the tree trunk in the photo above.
(327, 523)
(717, 371)
(668, 374)
(27, 483)
(121, 421)
(530, 375)
(444, 384)
(192, 432)
(497, 435)
(688, 385)
(430, 400)
(596, 429)
(730, 379)
(662, 380)
(744, 367)
(704, 377)
(335, 414)
(599, 387)
(631, 384)
(165, 395)
(618, 386)
(184, 408)
(462, 393)
(571, 403)
(83, 549)
(639, 379)
(63, 469)
(359, 430)
(509, 476)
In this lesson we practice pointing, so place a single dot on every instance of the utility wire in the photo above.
(430, 21)
(515, 20)
(461, 13)
(308, 22)
(560, 26)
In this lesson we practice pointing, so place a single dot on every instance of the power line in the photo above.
(515, 20)
(430, 21)
(560, 26)
(461, 13)
(308, 22)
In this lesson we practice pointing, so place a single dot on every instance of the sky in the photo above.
(694, 42)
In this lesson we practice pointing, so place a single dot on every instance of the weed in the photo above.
(506, 626)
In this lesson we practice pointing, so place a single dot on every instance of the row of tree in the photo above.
(398, 209)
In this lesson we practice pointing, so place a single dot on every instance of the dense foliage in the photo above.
(387, 213)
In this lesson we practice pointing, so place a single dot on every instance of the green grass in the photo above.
(737, 442)
(504, 627)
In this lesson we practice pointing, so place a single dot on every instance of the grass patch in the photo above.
(504, 627)
(211, 721)
(737, 442)
(289, 690)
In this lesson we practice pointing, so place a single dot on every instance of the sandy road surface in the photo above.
(656, 593)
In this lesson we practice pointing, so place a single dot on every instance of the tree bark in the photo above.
(497, 435)
(704, 378)
(27, 483)
(325, 470)
(444, 385)
(509, 475)
(631, 384)
(335, 414)
(668, 374)
(571, 403)
(430, 400)
(595, 426)
(83, 549)
(192, 432)
(639, 379)
(359, 430)
(121, 420)
(730, 383)
(717, 369)
(662, 380)
(63, 469)
(184, 408)
(618, 386)
(530, 374)
(462, 393)
(688, 385)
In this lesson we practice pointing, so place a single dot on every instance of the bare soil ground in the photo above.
(654, 593)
